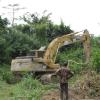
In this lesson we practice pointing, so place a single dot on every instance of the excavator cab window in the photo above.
(37, 53)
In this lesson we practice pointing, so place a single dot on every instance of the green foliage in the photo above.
(9, 78)
(6, 75)
(3, 45)
(44, 28)
(18, 40)
(31, 88)
(13, 43)
(61, 29)
(96, 59)
(29, 83)
(3, 23)
(95, 54)
(74, 54)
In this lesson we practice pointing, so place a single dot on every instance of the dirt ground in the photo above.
(54, 95)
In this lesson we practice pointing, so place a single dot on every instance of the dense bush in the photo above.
(73, 54)
(96, 59)
(95, 53)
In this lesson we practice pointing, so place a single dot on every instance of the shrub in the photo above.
(96, 59)
(9, 77)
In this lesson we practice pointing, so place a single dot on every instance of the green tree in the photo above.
(38, 31)
(44, 28)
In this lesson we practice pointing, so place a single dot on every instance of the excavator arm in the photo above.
(51, 52)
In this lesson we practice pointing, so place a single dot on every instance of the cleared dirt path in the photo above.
(54, 95)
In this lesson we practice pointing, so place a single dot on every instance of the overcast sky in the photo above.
(79, 14)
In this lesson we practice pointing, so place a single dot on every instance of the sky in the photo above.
(79, 14)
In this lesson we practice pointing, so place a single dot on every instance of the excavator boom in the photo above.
(50, 54)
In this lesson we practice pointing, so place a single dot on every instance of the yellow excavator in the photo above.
(44, 60)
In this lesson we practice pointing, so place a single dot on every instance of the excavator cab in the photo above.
(27, 63)
(37, 53)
